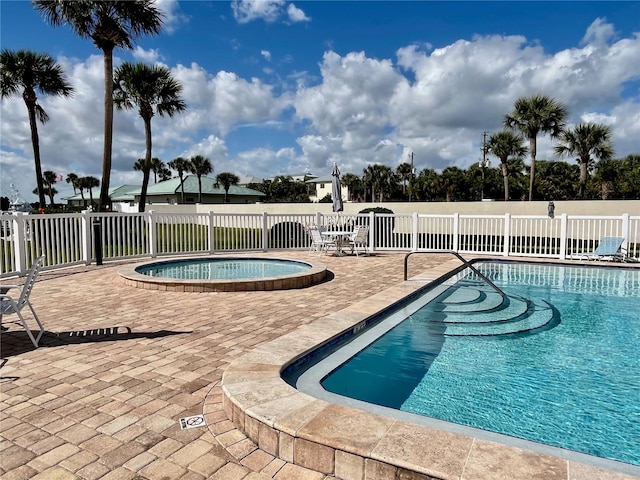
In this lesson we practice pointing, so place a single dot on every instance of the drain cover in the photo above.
(192, 422)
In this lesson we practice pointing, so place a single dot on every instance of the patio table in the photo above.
(340, 237)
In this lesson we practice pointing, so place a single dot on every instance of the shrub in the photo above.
(288, 235)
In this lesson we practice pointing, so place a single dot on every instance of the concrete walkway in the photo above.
(119, 366)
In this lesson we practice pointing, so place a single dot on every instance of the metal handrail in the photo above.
(465, 262)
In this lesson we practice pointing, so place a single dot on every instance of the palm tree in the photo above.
(164, 174)
(199, 166)
(89, 183)
(153, 90)
(26, 72)
(352, 182)
(180, 165)
(379, 178)
(157, 166)
(226, 179)
(453, 183)
(116, 23)
(506, 145)
(72, 178)
(49, 178)
(405, 172)
(532, 115)
(585, 140)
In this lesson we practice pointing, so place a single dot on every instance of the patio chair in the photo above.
(359, 238)
(609, 248)
(318, 242)
(9, 304)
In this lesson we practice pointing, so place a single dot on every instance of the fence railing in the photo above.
(70, 239)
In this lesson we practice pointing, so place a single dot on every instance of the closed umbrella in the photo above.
(336, 189)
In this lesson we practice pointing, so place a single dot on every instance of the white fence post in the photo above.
(415, 237)
(86, 236)
(372, 231)
(456, 229)
(319, 220)
(212, 237)
(564, 221)
(265, 231)
(625, 233)
(20, 243)
(151, 225)
(507, 234)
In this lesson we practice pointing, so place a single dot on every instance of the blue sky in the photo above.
(276, 87)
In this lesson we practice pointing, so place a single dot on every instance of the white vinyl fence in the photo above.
(71, 239)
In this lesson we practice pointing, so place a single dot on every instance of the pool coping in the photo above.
(350, 443)
(129, 276)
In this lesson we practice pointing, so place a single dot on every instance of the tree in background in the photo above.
(49, 179)
(180, 165)
(427, 185)
(405, 172)
(557, 180)
(353, 184)
(26, 72)
(379, 178)
(89, 183)
(531, 116)
(72, 178)
(116, 23)
(226, 179)
(200, 166)
(586, 140)
(506, 145)
(152, 89)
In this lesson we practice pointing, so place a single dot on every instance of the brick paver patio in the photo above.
(119, 366)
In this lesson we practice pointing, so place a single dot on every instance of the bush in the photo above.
(288, 235)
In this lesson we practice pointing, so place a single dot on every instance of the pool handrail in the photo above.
(466, 263)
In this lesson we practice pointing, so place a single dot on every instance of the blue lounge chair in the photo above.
(609, 248)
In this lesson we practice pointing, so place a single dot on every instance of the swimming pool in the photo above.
(571, 379)
(223, 274)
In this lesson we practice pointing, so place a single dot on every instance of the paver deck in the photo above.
(119, 366)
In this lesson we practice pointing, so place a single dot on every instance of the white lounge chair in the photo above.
(609, 248)
(359, 238)
(9, 304)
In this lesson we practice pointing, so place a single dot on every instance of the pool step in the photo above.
(486, 301)
(538, 315)
(510, 309)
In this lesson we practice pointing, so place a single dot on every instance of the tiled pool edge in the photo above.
(349, 443)
(129, 276)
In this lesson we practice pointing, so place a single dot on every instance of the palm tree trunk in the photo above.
(147, 166)
(181, 185)
(199, 189)
(532, 173)
(35, 142)
(105, 201)
(505, 178)
(584, 165)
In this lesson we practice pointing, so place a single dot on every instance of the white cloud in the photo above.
(147, 56)
(355, 110)
(173, 18)
(296, 15)
(245, 11)
(266, 54)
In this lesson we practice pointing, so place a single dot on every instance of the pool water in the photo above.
(573, 382)
(223, 268)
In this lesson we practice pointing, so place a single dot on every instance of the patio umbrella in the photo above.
(336, 189)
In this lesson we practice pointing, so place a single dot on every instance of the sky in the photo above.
(275, 87)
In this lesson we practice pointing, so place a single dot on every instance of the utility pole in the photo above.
(411, 176)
